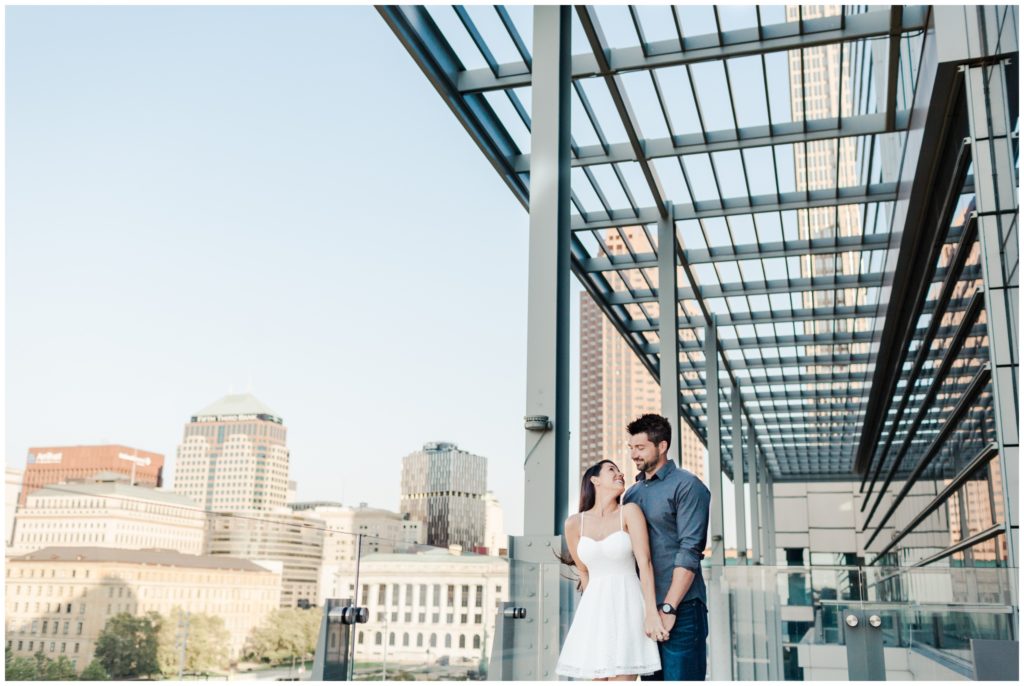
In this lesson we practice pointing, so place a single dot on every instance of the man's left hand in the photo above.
(667, 621)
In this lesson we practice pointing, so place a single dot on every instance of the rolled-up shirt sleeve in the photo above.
(693, 506)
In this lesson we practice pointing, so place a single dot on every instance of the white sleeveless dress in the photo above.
(607, 634)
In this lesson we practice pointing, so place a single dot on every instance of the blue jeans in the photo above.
(684, 656)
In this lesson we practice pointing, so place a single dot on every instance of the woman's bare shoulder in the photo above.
(572, 524)
(632, 511)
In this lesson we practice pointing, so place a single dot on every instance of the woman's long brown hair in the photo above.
(588, 496)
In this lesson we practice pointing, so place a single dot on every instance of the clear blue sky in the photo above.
(201, 198)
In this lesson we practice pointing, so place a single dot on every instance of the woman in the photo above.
(613, 635)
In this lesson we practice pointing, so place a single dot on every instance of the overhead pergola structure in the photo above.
(773, 206)
(771, 140)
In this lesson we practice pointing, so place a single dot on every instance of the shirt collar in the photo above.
(665, 470)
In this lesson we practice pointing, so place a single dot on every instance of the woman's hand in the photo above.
(653, 627)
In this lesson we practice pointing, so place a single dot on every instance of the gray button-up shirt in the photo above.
(676, 505)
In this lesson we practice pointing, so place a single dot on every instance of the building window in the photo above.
(447, 640)
(378, 639)
(478, 619)
(53, 646)
(360, 638)
(462, 641)
(463, 619)
(465, 596)
(45, 625)
(423, 617)
(382, 591)
(63, 647)
(433, 640)
(451, 595)
(476, 642)
(394, 616)
(391, 638)
(437, 596)
(479, 596)
(449, 618)
(423, 595)
(436, 617)
(408, 617)
(78, 629)
(419, 640)
(76, 647)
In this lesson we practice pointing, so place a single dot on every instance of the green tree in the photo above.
(127, 646)
(38, 668)
(19, 668)
(286, 633)
(206, 647)
(60, 669)
(94, 672)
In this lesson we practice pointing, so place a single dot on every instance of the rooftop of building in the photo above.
(432, 556)
(150, 556)
(111, 484)
(314, 504)
(35, 452)
(238, 404)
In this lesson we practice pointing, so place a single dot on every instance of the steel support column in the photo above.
(714, 429)
(775, 615)
(737, 476)
(719, 638)
(755, 505)
(769, 543)
(988, 108)
(668, 331)
(534, 575)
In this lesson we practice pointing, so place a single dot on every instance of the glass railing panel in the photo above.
(926, 617)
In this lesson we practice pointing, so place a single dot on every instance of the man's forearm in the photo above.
(682, 579)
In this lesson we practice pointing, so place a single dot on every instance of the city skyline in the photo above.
(258, 173)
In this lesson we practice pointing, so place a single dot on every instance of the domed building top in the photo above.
(237, 406)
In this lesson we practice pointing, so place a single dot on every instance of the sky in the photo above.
(204, 200)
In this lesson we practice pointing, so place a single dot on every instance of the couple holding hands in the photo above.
(643, 611)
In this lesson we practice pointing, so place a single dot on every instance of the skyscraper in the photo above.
(615, 387)
(233, 456)
(48, 466)
(820, 88)
(444, 487)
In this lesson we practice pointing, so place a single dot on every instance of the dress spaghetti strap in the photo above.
(581, 525)
(620, 518)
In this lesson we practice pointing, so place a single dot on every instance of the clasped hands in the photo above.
(659, 625)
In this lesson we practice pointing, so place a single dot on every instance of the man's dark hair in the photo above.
(655, 426)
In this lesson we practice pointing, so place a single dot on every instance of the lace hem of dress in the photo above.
(584, 673)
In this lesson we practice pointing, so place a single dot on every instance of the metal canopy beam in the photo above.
(763, 251)
(935, 167)
(810, 314)
(785, 133)
(781, 202)
(808, 33)
(801, 285)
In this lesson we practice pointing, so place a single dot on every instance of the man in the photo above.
(677, 506)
